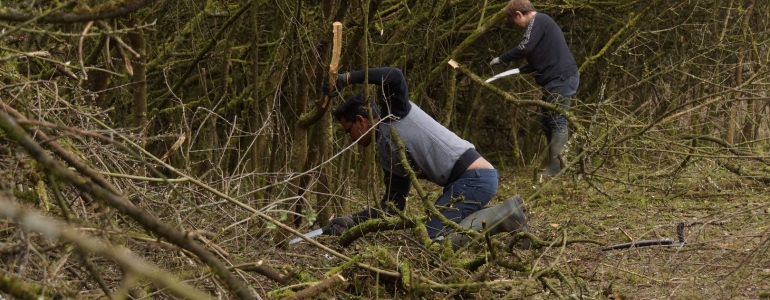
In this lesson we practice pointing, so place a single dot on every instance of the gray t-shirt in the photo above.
(432, 149)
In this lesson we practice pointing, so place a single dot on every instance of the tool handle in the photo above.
(680, 232)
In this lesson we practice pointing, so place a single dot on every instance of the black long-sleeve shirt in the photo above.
(394, 98)
(545, 49)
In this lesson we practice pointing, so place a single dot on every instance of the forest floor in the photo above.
(725, 255)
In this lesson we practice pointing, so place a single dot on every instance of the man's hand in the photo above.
(526, 69)
(338, 226)
(494, 61)
(339, 85)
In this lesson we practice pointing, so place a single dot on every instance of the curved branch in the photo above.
(102, 12)
(737, 170)
(373, 225)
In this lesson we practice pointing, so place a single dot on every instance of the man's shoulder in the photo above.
(544, 18)
(545, 23)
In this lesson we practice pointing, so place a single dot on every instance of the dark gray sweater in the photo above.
(545, 49)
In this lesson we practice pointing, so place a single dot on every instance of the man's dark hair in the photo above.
(354, 106)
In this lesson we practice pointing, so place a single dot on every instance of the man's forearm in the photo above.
(385, 75)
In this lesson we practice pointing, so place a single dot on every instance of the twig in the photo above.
(470, 41)
(550, 287)
(633, 273)
(492, 251)
(21, 54)
(214, 246)
(267, 271)
(80, 49)
(152, 179)
(542, 272)
(82, 168)
(627, 235)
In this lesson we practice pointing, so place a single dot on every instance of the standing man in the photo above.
(433, 152)
(554, 68)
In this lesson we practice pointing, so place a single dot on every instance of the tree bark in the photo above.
(139, 79)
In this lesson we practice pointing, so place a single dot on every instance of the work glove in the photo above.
(494, 61)
(526, 69)
(338, 226)
(341, 84)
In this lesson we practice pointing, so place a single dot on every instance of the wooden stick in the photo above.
(336, 52)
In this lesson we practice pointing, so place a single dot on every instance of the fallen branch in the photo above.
(374, 225)
(737, 170)
(24, 290)
(325, 285)
(268, 272)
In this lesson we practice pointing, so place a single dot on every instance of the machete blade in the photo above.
(309, 235)
(503, 74)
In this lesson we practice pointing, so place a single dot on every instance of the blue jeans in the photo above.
(477, 186)
(558, 92)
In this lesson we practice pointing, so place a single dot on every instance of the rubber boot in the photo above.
(510, 215)
(557, 143)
